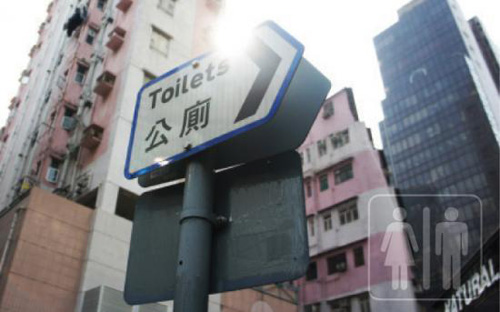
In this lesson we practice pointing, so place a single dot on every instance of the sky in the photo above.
(337, 35)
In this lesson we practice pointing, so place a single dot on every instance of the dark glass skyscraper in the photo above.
(441, 109)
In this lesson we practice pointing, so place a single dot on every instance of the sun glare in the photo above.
(231, 37)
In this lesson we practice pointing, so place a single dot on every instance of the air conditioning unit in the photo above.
(116, 38)
(124, 5)
(105, 83)
(92, 136)
(52, 175)
(68, 123)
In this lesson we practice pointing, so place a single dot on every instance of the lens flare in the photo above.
(231, 38)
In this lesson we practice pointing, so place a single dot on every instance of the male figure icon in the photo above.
(448, 233)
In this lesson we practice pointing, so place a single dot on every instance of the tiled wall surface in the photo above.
(46, 254)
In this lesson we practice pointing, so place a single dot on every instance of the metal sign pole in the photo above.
(195, 240)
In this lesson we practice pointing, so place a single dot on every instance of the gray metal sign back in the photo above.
(264, 242)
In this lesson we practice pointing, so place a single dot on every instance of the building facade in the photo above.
(441, 126)
(78, 92)
(343, 173)
(43, 246)
(67, 134)
(490, 54)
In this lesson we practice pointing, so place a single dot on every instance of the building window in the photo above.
(68, 121)
(328, 110)
(343, 173)
(81, 72)
(359, 257)
(341, 305)
(310, 224)
(308, 155)
(364, 303)
(312, 307)
(348, 212)
(308, 189)
(101, 4)
(160, 41)
(327, 222)
(336, 264)
(91, 34)
(312, 272)
(69, 112)
(167, 6)
(321, 147)
(339, 139)
(125, 204)
(53, 170)
(148, 77)
(323, 182)
(88, 199)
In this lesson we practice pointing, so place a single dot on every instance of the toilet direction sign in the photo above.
(211, 99)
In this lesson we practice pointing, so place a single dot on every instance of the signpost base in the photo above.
(196, 225)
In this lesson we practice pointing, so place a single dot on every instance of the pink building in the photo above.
(343, 175)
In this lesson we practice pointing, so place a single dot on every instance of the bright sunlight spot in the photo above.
(232, 37)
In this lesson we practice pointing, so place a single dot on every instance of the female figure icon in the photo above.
(393, 243)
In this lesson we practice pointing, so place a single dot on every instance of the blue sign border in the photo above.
(279, 97)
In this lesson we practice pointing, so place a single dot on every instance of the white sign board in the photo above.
(211, 99)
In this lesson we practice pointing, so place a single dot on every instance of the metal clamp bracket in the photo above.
(194, 213)
(217, 221)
